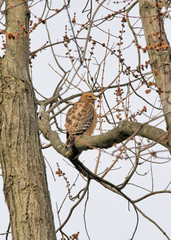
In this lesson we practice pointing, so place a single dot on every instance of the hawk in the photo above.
(81, 119)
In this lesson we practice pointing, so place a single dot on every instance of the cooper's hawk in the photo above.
(81, 119)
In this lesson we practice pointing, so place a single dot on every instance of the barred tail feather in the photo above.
(70, 141)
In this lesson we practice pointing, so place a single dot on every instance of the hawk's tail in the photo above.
(70, 141)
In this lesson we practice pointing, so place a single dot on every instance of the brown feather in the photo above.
(81, 119)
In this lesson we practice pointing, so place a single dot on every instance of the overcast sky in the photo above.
(108, 215)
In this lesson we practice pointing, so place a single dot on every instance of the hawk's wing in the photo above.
(79, 118)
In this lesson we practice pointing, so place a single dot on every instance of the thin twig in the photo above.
(73, 207)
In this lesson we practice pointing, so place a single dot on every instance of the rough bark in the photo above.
(23, 168)
(159, 53)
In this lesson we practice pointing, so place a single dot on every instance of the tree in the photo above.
(93, 55)
(22, 163)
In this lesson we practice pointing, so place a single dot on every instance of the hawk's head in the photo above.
(89, 97)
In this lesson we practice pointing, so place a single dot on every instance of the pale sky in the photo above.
(108, 215)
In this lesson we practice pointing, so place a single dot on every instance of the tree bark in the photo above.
(23, 168)
(158, 48)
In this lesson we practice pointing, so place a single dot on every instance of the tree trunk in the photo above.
(159, 53)
(23, 168)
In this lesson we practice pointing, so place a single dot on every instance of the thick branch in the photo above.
(124, 130)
